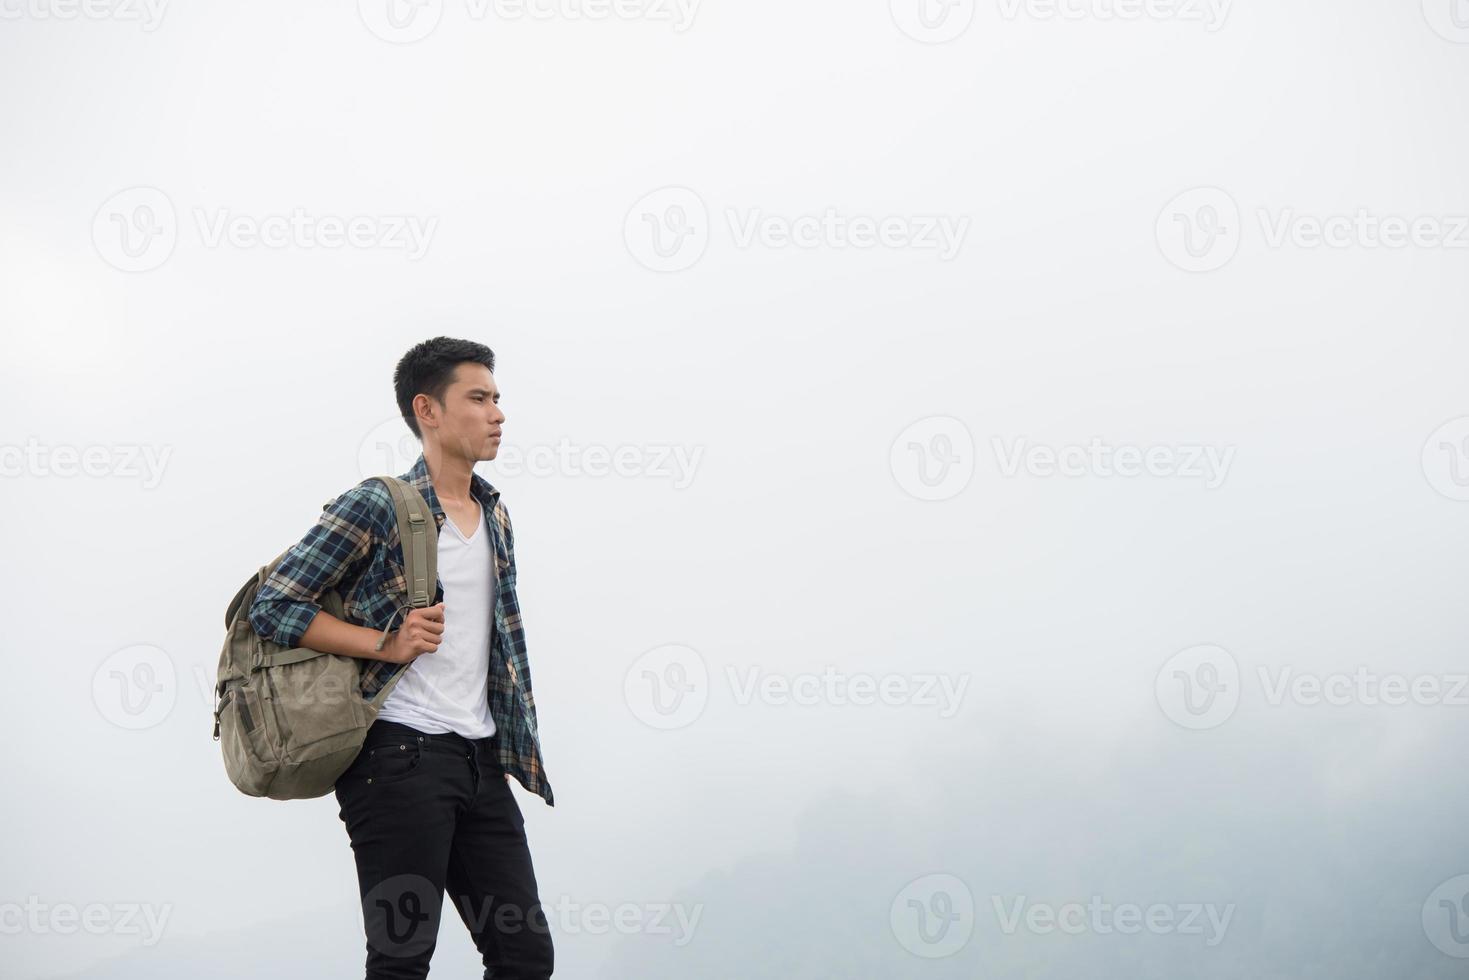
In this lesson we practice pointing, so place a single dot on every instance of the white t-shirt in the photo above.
(447, 690)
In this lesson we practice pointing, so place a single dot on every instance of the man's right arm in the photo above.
(287, 607)
(421, 632)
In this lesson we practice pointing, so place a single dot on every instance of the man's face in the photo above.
(470, 419)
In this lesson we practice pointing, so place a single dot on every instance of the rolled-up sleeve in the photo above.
(332, 552)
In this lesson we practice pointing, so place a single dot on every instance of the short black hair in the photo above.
(428, 369)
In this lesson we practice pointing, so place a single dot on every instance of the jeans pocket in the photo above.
(392, 762)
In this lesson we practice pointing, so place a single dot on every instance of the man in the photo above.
(424, 803)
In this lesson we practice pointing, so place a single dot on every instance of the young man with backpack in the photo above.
(427, 803)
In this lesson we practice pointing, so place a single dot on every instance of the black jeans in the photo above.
(430, 812)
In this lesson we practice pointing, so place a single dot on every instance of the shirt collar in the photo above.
(482, 489)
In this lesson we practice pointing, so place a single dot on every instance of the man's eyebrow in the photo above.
(482, 391)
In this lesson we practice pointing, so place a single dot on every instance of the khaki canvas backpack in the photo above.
(291, 720)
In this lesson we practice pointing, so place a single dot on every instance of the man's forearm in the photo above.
(329, 634)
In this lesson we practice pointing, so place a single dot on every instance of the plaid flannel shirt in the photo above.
(354, 549)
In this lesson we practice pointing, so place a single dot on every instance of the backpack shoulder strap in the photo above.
(419, 538)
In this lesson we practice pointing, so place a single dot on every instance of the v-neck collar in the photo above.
(479, 527)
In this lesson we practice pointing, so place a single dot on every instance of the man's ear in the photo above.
(423, 410)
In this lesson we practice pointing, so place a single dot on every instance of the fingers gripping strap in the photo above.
(382, 640)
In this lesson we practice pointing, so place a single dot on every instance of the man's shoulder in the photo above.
(368, 505)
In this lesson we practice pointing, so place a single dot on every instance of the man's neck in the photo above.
(450, 475)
